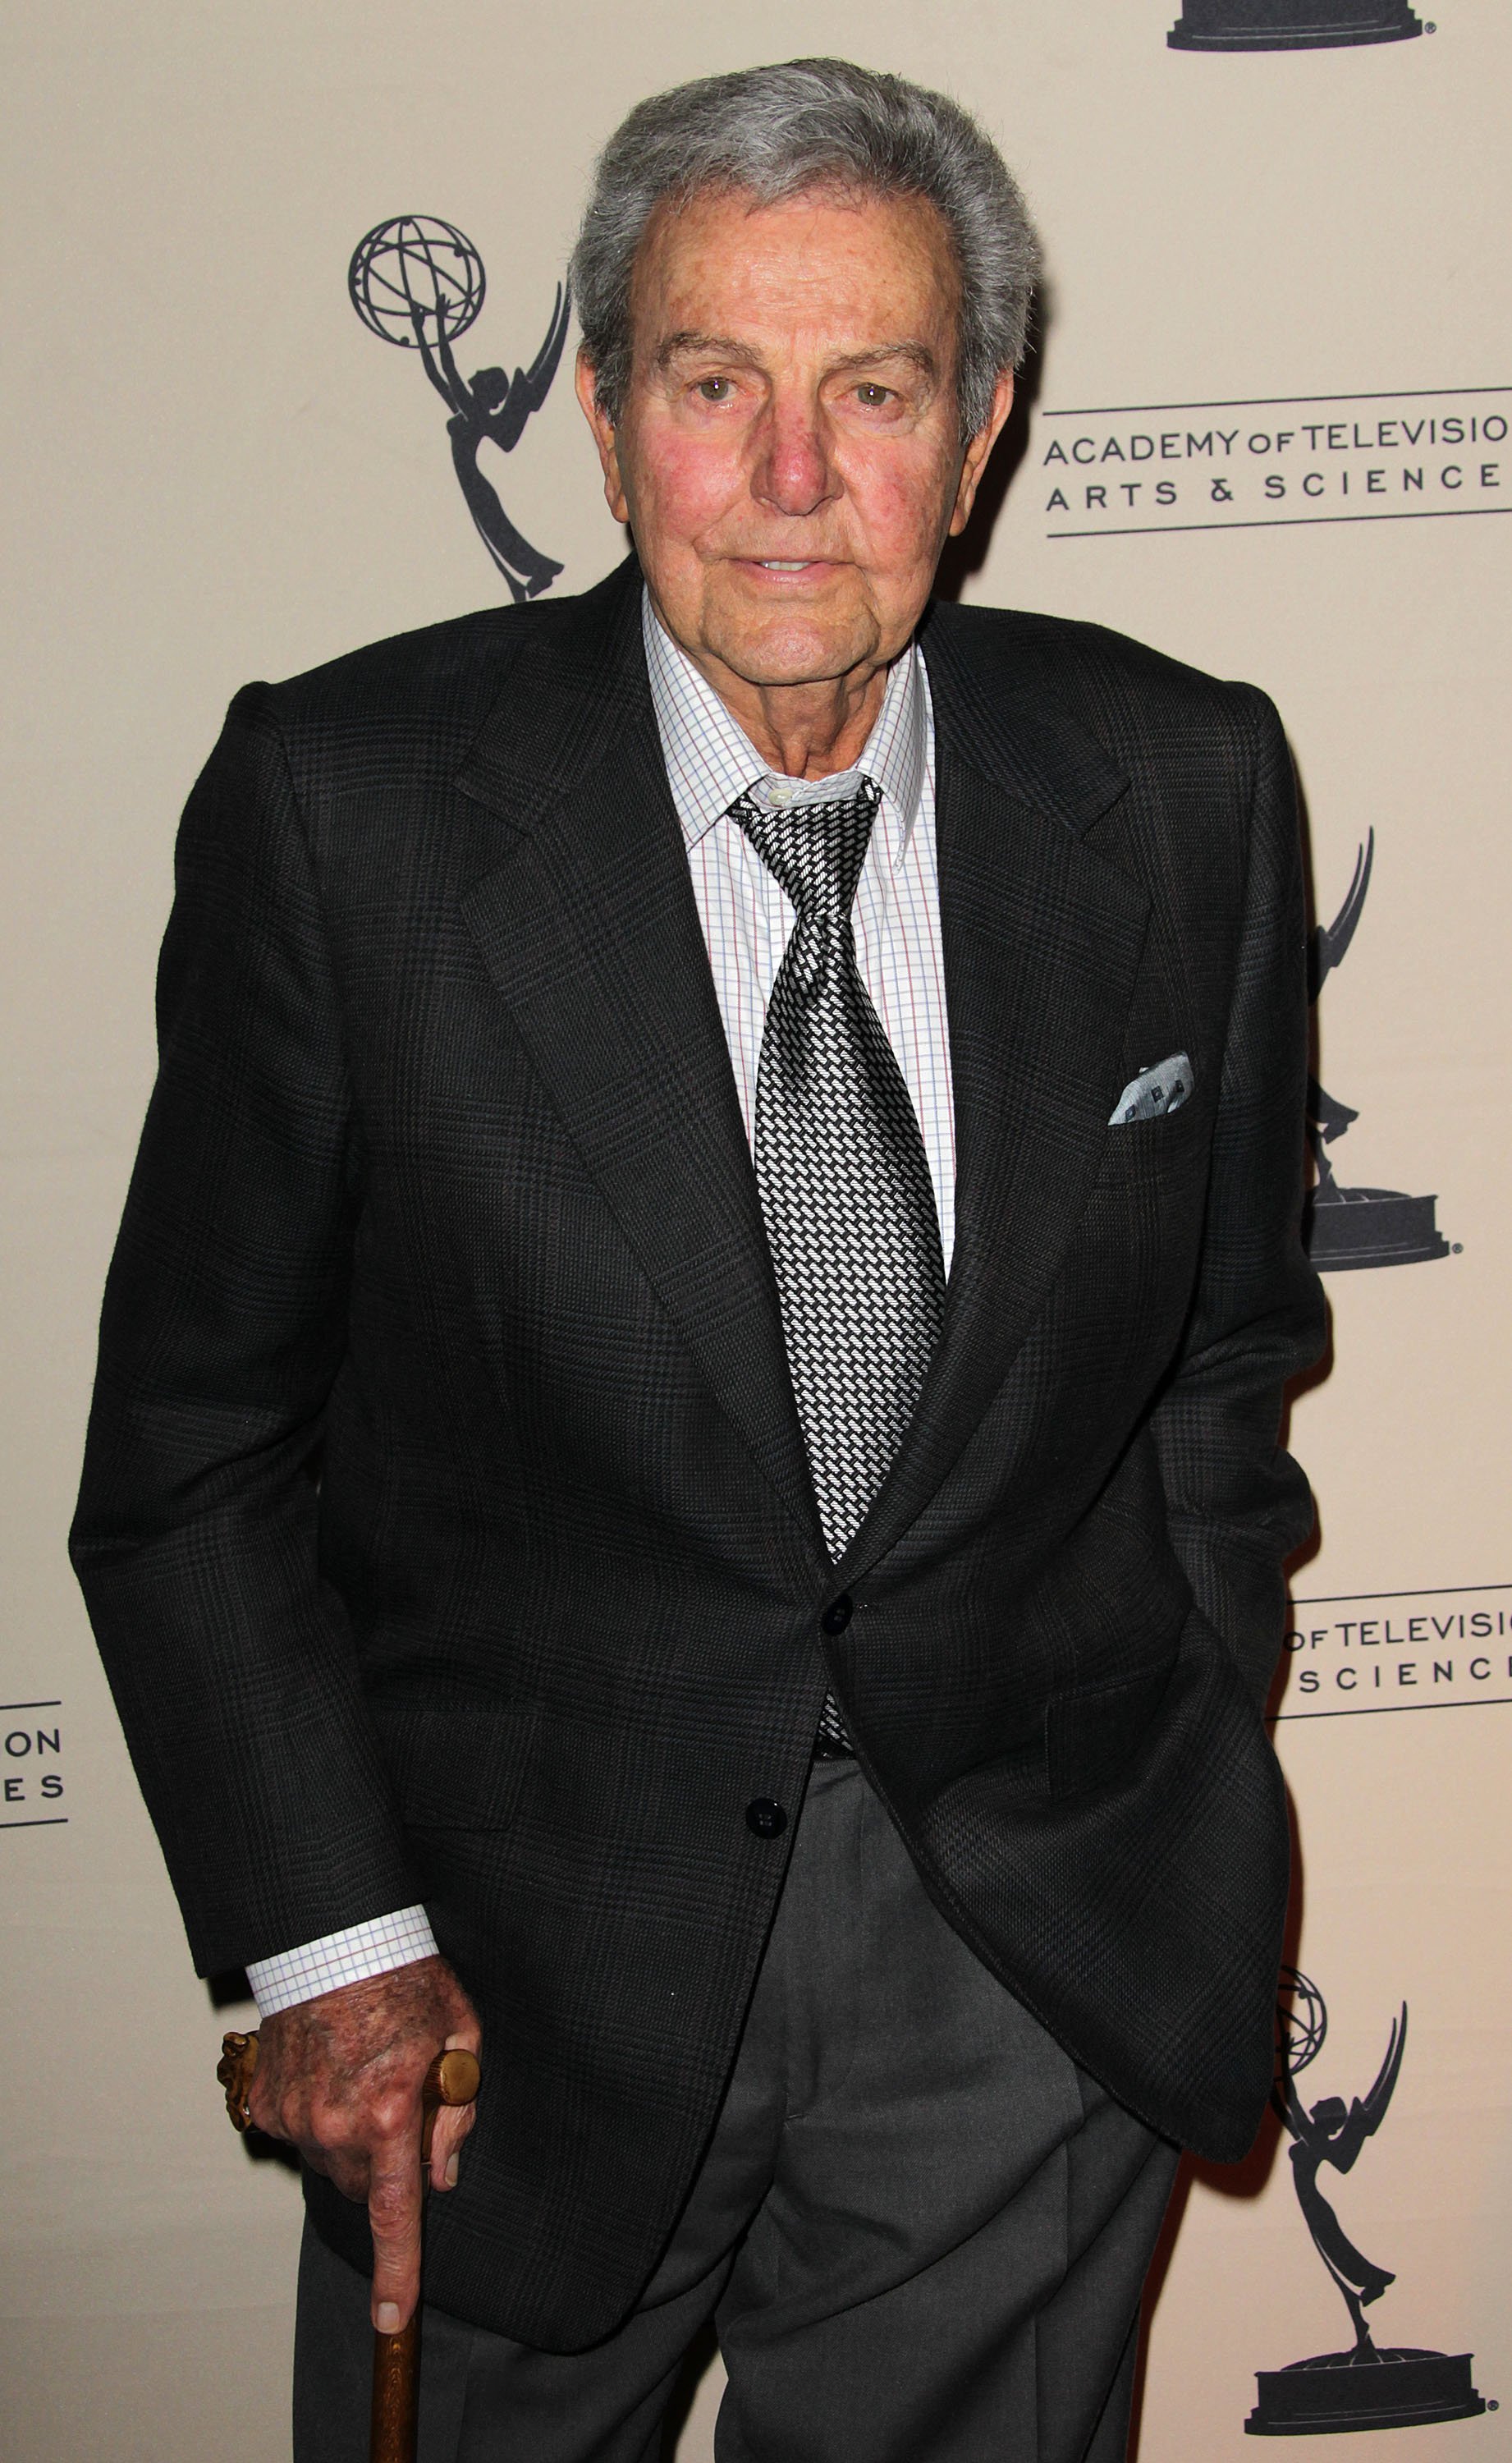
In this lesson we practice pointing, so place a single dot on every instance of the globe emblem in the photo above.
(1302, 2022)
(416, 278)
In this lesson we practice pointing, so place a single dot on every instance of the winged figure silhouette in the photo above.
(1326, 1117)
(493, 409)
(1333, 2132)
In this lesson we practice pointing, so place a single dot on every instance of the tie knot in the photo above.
(817, 851)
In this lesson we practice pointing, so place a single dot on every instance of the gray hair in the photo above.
(779, 132)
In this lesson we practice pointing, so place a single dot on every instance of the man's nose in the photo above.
(793, 473)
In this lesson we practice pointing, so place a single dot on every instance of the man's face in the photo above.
(788, 454)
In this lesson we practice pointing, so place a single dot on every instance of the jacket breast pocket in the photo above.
(1174, 1144)
(457, 1766)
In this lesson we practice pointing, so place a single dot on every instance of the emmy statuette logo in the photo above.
(1357, 1227)
(1290, 25)
(419, 282)
(1368, 2385)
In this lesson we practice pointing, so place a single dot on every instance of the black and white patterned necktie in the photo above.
(846, 1195)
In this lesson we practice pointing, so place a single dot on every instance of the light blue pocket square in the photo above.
(1156, 1091)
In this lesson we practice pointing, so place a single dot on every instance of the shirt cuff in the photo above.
(338, 1958)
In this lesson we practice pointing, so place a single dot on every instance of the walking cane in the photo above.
(451, 2079)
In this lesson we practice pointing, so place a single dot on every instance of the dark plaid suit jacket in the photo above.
(446, 1521)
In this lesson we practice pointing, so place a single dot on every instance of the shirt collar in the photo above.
(711, 760)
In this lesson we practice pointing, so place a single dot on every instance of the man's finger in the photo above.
(394, 2212)
(453, 2122)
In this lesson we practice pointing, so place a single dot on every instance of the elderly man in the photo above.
(749, 1130)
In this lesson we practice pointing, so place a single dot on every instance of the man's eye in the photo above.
(873, 396)
(714, 388)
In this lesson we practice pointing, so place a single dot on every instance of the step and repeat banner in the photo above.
(1266, 430)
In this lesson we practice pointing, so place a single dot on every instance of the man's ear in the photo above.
(586, 382)
(975, 460)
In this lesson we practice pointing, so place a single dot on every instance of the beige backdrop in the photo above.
(217, 474)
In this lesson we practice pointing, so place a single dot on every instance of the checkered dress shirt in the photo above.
(748, 919)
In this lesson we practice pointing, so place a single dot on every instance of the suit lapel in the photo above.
(589, 930)
(1041, 940)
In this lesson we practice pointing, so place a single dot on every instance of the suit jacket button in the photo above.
(839, 1614)
(765, 1816)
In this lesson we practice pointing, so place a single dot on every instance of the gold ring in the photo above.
(234, 2069)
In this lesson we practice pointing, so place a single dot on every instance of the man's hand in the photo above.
(340, 2077)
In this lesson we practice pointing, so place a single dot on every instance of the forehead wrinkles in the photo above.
(677, 258)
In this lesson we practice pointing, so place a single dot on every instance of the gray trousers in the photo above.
(920, 2231)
